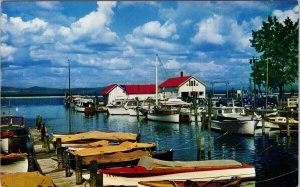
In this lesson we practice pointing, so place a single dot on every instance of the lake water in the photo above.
(274, 156)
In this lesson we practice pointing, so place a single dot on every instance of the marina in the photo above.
(267, 153)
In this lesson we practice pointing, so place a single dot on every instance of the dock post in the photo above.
(43, 134)
(195, 107)
(78, 170)
(209, 125)
(263, 123)
(137, 109)
(100, 179)
(93, 173)
(59, 152)
(287, 124)
(39, 120)
(67, 164)
(47, 143)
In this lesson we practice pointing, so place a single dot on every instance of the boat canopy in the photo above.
(174, 102)
(152, 163)
(28, 178)
(124, 146)
(97, 135)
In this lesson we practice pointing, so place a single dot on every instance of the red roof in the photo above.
(140, 89)
(174, 82)
(108, 89)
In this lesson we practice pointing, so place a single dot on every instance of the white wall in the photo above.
(115, 93)
(199, 87)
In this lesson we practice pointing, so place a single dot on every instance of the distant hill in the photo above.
(43, 91)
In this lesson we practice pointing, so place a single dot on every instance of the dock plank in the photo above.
(48, 165)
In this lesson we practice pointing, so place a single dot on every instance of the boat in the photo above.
(95, 137)
(117, 107)
(85, 105)
(234, 181)
(149, 169)
(234, 120)
(14, 135)
(170, 111)
(132, 106)
(123, 154)
(26, 179)
(282, 124)
(14, 162)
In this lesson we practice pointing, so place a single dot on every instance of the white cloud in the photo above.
(209, 31)
(172, 64)
(155, 29)
(7, 52)
(48, 5)
(293, 14)
(186, 22)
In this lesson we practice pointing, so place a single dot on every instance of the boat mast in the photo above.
(156, 84)
(69, 98)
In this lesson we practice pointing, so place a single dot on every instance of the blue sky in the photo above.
(116, 42)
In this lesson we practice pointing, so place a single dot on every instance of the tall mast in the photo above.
(69, 98)
(156, 84)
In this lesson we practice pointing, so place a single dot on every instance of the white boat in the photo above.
(150, 169)
(170, 111)
(233, 119)
(117, 107)
(85, 105)
(132, 106)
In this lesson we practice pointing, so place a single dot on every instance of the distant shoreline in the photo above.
(30, 97)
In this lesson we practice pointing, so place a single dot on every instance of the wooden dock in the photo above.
(46, 160)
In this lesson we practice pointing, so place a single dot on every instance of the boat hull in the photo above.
(163, 117)
(224, 174)
(115, 110)
(245, 127)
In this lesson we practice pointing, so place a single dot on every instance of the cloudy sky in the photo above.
(116, 42)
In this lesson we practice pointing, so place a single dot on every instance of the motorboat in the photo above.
(170, 111)
(14, 135)
(233, 119)
(85, 105)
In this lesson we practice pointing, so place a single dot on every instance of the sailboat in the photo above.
(168, 111)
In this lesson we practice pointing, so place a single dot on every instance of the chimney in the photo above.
(181, 74)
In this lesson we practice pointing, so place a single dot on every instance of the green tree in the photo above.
(277, 44)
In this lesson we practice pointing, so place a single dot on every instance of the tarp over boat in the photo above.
(25, 179)
(124, 146)
(97, 135)
(116, 157)
(152, 163)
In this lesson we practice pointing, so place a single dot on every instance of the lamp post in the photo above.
(253, 61)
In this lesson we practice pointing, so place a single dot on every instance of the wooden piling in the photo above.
(67, 164)
(287, 124)
(100, 179)
(137, 109)
(59, 152)
(47, 143)
(93, 174)
(263, 124)
(39, 121)
(78, 170)
(43, 133)
(209, 125)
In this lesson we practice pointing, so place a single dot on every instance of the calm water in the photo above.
(274, 156)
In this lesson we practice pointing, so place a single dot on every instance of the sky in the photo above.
(117, 42)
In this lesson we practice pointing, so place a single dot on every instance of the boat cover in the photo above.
(152, 164)
(116, 157)
(25, 179)
(124, 146)
(97, 135)
(12, 156)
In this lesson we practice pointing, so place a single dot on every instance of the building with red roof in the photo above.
(183, 87)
